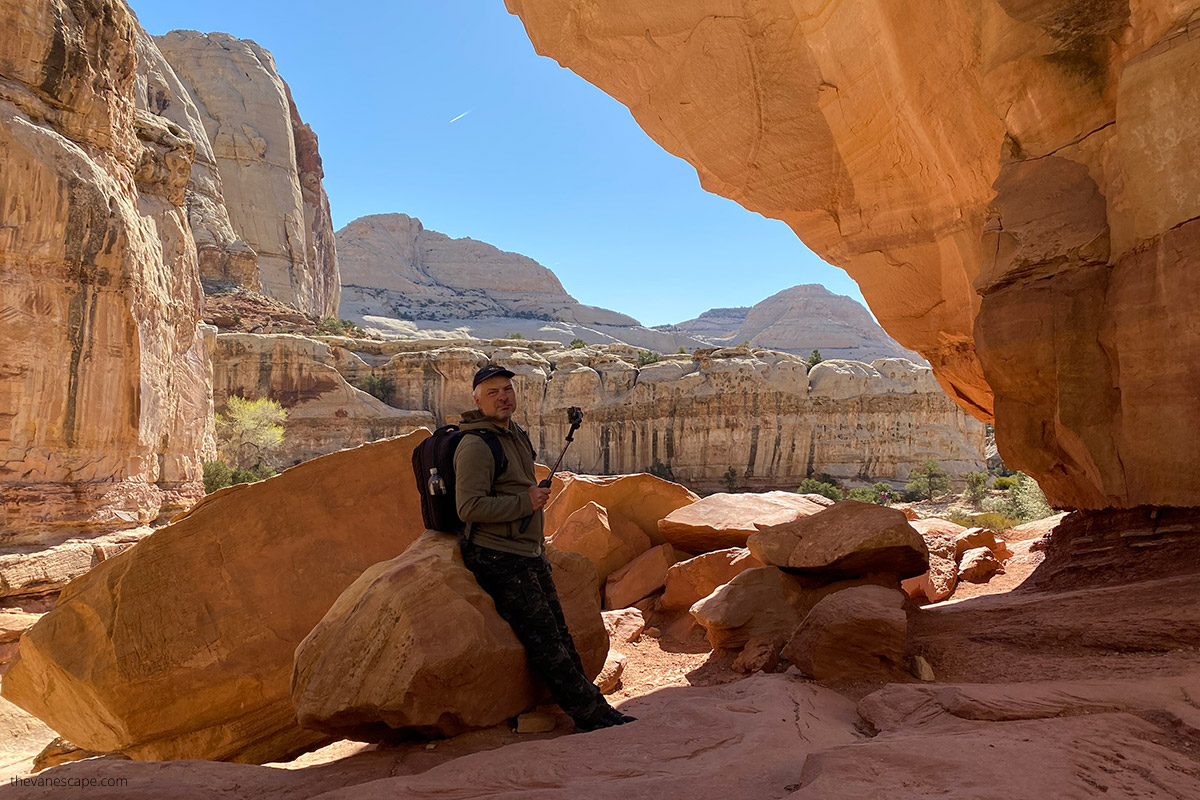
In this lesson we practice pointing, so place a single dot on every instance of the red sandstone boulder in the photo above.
(697, 578)
(857, 633)
(415, 644)
(639, 578)
(940, 581)
(642, 499)
(609, 541)
(979, 565)
(847, 540)
(624, 624)
(727, 520)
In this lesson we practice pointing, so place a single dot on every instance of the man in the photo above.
(504, 547)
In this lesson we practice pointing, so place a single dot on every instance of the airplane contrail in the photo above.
(460, 116)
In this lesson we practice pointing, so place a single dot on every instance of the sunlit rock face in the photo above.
(269, 172)
(1014, 186)
(105, 406)
(759, 413)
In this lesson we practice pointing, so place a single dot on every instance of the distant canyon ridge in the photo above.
(403, 281)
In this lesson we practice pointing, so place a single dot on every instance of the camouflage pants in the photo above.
(524, 593)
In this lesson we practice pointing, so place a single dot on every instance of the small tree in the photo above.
(976, 488)
(578, 343)
(814, 359)
(515, 335)
(1024, 502)
(730, 480)
(928, 480)
(660, 470)
(681, 351)
(217, 475)
(823, 488)
(647, 357)
(381, 388)
(249, 431)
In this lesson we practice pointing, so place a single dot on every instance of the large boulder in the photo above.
(726, 520)
(415, 644)
(697, 578)
(642, 499)
(765, 604)
(854, 634)
(607, 540)
(182, 646)
(847, 539)
(639, 578)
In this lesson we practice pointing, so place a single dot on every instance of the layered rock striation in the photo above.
(105, 406)
(757, 412)
(1014, 186)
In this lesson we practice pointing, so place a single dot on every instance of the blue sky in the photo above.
(538, 160)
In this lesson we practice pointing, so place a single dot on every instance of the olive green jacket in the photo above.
(494, 506)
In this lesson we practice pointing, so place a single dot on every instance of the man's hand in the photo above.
(538, 496)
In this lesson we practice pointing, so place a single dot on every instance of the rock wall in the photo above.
(1013, 185)
(759, 412)
(269, 169)
(325, 413)
(104, 395)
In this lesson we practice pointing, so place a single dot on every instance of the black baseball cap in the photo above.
(490, 371)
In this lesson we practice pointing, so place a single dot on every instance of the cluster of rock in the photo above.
(799, 320)
(134, 167)
(377, 626)
(760, 413)
(1014, 187)
(956, 554)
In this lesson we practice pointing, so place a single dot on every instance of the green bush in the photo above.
(928, 480)
(254, 474)
(1004, 482)
(814, 359)
(976, 488)
(823, 488)
(515, 335)
(729, 479)
(647, 357)
(249, 431)
(660, 470)
(990, 520)
(1024, 501)
(381, 388)
(863, 494)
(578, 343)
(332, 326)
(681, 351)
(217, 475)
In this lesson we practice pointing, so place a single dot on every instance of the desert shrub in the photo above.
(515, 335)
(647, 357)
(1024, 501)
(1004, 482)
(249, 432)
(381, 388)
(578, 343)
(730, 480)
(863, 494)
(332, 326)
(976, 488)
(928, 480)
(254, 474)
(814, 359)
(991, 520)
(823, 488)
(681, 350)
(660, 470)
(217, 475)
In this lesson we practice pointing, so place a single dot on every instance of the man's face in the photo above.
(496, 399)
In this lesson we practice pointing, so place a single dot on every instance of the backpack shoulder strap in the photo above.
(493, 443)
(528, 441)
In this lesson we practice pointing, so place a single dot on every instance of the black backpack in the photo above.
(435, 456)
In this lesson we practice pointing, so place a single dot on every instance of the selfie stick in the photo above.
(545, 484)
